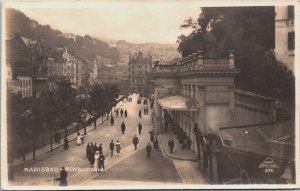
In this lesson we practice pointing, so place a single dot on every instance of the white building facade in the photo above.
(285, 35)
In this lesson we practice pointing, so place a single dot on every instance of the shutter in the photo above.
(290, 12)
(291, 40)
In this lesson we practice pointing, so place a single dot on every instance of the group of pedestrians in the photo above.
(122, 112)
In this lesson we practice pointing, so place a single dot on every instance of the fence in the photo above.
(21, 151)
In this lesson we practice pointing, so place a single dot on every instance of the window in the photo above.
(132, 66)
(132, 80)
(132, 72)
(290, 12)
(291, 40)
(139, 66)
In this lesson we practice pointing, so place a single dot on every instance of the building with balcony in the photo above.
(229, 130)
(285, 35)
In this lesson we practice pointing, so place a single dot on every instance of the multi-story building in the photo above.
(19, 63)
(285, 35)
(231, 131)
(139, 70)
(54, 63)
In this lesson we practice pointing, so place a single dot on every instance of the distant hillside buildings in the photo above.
(32, 67)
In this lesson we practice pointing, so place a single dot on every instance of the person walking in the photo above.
(118, 147)
(148, 150)
(78, 139)
(151, 135)
(112, 121)
(63, 177)
(100, 149)
(92, 158)
(123, 127)
(140, 114)
(88, 150)
(96, 161)
(117, 113)
(140, 128)
(101, 162)
(125, 113)
(135, 141)
(111, 147)
(155, 143)
(121, 112)
(171, 145)
(66, 144)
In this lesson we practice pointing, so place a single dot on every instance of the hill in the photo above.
(83, 46)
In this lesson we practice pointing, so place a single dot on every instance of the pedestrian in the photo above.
(148, 150)
(123, 127)
(95, 147)
(171, 145)
(92, 157)
(66, 143)
(155, 143)
(117, 113)
(111, 147)
(63, 177)
(112, 121)
(96, 162)
(78, 139)
(100, 149)
(140, 128)
(101, 162)
(140, 114)
(121, 112)
(118, 147)
(151, 135)
(125, 113)
(135, 141)
(88, 150)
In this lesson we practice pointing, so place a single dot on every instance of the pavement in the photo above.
(162, 167)
(42, 170)
(46, 149)
(178, 152)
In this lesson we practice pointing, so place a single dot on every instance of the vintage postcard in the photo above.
(149, 94)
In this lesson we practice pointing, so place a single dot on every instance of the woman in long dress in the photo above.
(118, 147)
(78, 139)
(96, 163)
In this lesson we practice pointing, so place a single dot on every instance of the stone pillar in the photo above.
(200, 97)
(232, 99)
(200, 61)
(214, 162)
(231, 59)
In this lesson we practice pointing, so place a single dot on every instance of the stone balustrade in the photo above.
(196, 62)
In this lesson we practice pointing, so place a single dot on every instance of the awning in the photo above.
(179, 103)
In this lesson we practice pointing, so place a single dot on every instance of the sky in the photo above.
(133, 21)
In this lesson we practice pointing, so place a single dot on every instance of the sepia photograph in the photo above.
(149, 94)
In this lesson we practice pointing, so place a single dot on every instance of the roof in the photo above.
(178, 102)
(275, 140)
(28, 42)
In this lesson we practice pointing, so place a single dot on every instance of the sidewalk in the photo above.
(185, 161)
(47, 149)
(178, 152)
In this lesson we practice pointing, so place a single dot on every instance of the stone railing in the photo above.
(196, 62)
(255, 101)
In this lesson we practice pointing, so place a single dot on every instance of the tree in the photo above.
(249, 31)
(67, 104)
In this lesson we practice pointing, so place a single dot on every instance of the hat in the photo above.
(97, 152)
